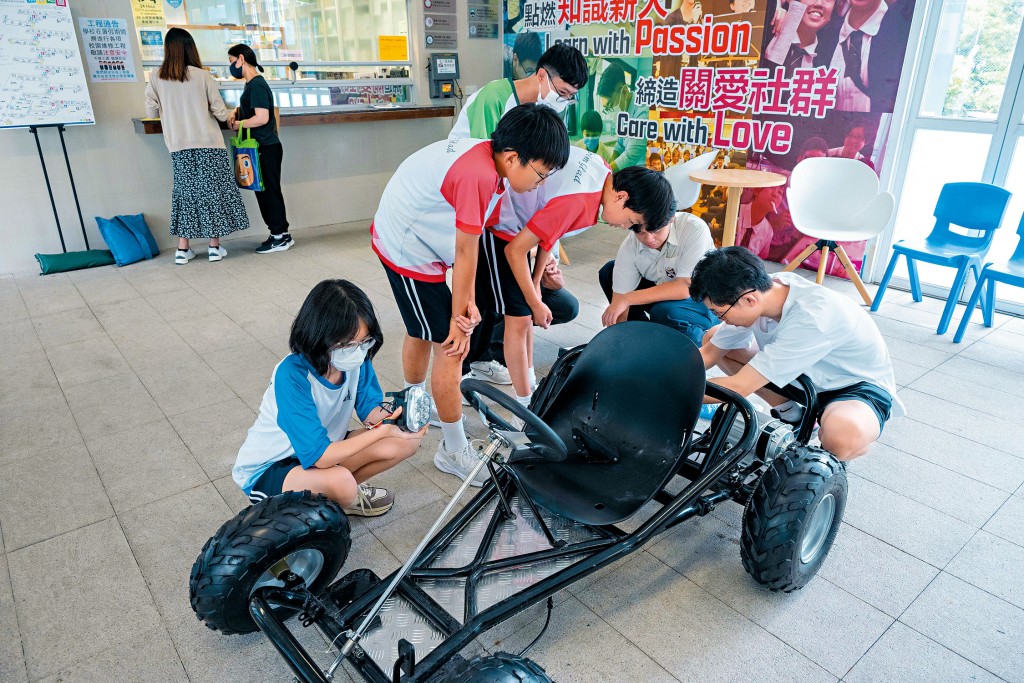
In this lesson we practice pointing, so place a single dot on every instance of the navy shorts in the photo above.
(876, 398)
(496, 286)
(272, 479)
(426, 307)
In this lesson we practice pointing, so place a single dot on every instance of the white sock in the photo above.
(525, 400)
(454, 435)
(532, 377)
(790, 410)
(421, 385)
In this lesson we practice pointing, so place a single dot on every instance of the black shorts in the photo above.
(272, 479)
(426, 307)
(877, 398)
(496, 286)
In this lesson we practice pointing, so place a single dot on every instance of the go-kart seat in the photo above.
(625, 412)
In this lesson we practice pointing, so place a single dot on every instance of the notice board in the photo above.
(42, 80)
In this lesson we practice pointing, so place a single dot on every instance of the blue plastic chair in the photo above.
(973, 206)
(1010, 271)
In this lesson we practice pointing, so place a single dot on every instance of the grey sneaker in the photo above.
(490, 371)
(371, 501)
(460, 463)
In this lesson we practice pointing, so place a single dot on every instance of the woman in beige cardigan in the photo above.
(205, 202)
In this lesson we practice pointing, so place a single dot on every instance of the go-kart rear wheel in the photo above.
(303, 533)
(501, 667)
(792, 517)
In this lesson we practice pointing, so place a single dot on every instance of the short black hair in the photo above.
(527, 47)
(591, 120)
(331, 315)
(723, 275)
(566, 62)
(650, 195)
(613, 77)
(535, 132)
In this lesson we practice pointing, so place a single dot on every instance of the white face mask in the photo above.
(552, 98)
(348, 359)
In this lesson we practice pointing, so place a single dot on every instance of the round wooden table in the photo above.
(735, 179)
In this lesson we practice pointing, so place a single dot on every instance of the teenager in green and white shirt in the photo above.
(561, 72)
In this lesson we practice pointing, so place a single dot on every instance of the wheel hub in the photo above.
(818, 527)
(306, 564)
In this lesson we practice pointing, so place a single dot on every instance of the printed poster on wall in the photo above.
(765, 83)
(148, 13)
(108, 52)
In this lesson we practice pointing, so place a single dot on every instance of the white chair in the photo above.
(834, 200)
(686, 191)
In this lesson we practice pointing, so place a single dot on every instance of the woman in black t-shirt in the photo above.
(256, 112)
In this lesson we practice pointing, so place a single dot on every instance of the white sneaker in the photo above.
(491, 371)
(460, 463)
(217, 253)
(183, 257)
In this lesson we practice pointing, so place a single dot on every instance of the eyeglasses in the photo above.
(541, 176)
(364, 345)
(569, 99)
(721, 316)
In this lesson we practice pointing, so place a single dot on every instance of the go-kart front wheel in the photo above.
(501, 667)
(792, 517)
(302, 533)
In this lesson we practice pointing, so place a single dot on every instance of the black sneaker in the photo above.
(273, 243)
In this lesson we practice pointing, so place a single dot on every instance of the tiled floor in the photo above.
(125, 393)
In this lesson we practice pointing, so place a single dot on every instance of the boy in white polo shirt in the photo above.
(430, 218)
(650, 276)
(778, 327)
(571, 200)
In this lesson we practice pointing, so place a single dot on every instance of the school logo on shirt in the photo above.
(670, 273)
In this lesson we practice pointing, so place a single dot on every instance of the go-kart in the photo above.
(612, 427)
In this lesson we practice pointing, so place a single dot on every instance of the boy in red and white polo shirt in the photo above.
(430, 219)
(570, 201)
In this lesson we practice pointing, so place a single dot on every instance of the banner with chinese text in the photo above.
(767, 83)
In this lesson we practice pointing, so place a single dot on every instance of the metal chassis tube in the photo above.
(688, 503)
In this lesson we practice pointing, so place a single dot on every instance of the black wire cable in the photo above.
(551, 606)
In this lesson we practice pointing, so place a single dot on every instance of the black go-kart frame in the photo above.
(611, 428)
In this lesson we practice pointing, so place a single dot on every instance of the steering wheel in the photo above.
(545, 442)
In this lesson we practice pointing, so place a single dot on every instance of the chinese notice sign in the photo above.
(108, 52)
(765, 83)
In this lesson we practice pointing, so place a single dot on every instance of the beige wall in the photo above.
(332, 173)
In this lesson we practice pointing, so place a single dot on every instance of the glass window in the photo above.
(936, 158)
(1006, 236)
(305, 31)
(973, 48)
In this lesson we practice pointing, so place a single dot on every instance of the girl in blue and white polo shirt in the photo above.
(301, 439)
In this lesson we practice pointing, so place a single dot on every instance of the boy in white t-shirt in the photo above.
(650, 276)
(778, 327)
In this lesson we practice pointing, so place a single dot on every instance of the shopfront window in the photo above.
(304, 31)
(336, 45)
